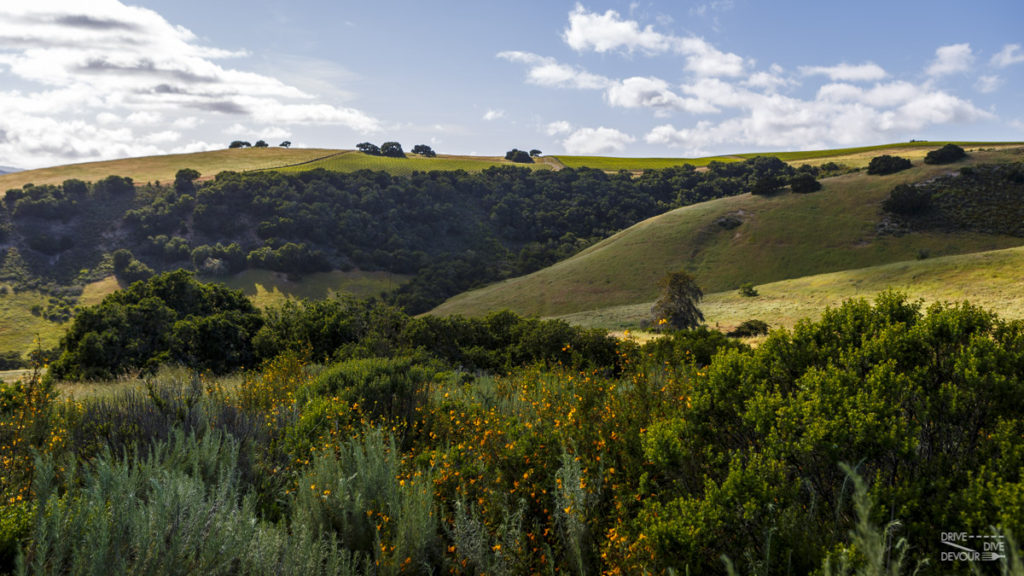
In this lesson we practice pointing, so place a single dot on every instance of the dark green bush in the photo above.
(886, 164)
(947, 154)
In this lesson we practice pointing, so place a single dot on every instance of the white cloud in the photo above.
(493, 114)
(769, 81)
(606, 32)
(144, 118)
(609, 32)
(654, 93)
(545, 71)
(275, 133)
(840, 114)
(162, 137)
(596, 141)
(126, 66)
(847, 72)
(1009, 55)
(988, 84)
(951, 60)
(187, 122)
(558, 127)
(236, 130)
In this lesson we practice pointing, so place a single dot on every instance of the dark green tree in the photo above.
(184, 180)
(239, 144)
(392, 149)
(676, 308)
(368, 148)
(520, 156)
(424, 150)
(286, 144)
(261, 144)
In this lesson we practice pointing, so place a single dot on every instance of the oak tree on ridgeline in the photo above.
(368, 148)
(424, 150)
(392, 150)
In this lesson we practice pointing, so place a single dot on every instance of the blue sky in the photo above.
(105, 78)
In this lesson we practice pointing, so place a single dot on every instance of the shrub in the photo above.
(907, 200)
(747, 290)
(945, 155)
(178, 509)
(804, 183)
(886, 164)
(749, 328)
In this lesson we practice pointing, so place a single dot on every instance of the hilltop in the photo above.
(780, 237)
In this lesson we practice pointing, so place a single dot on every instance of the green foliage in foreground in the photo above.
(692, 448)
(174, 319)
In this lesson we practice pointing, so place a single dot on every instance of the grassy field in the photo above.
(264, 287)
(782, 237)
(633, 164)
(853, 157)
(19, 328)
(350, 161)
(162, 168)
(989, 279)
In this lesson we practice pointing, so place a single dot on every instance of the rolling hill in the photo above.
(781, 237)
(989, 279)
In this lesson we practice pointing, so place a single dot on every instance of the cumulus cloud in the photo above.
(591, 31)
(951, 60)
(847, 72)
(653, 93)
(600, 140)
(493, 114)
(545, 71)
(127, 69)
(1009, 55)
(840, 114)
(558, 127)
(988, 84)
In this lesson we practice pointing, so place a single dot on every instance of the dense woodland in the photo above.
(369, 442)
(451, 230)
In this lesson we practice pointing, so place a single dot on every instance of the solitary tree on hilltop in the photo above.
(286, 144)
(424, 150)
(261, 144)
(677, 307)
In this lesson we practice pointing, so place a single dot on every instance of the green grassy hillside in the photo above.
(852, 157)
(162, 168)
(782, 237)
(989, 279)
(350, 161)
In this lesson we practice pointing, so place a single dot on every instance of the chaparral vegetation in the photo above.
(344, 437)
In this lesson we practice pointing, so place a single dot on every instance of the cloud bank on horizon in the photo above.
(106, 79)
(734, 104)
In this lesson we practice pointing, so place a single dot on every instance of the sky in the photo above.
(84, 80)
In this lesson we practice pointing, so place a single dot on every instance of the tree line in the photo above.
(451, 230)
